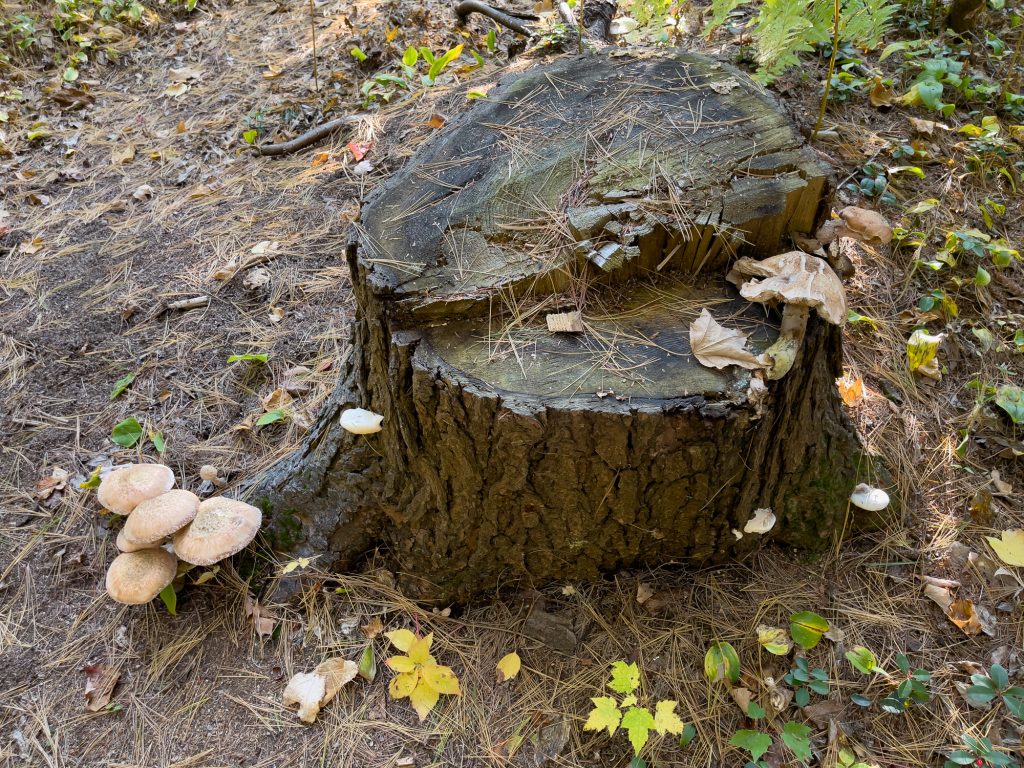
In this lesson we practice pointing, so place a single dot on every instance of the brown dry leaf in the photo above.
(436, 121)
(29, 247)
(882, 95)
(372, 628)
(962, 613)
(180, 127)
(277, 399)
(336, 673)
(939, 595)
(276, 314)
(295, 381)
(779, 696)
(225, 272)
(143, 192)
(643, 592)
(742, 697)
(122, 154)
(271, 72)
(46, 486)
(718, 347)
(264, 625)
(851, 390)
(176, 89)
(100, 680)
(184, 74)
(319, 159)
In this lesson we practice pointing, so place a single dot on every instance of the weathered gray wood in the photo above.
(619, 187)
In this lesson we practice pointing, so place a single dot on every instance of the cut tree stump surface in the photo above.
(619, 187)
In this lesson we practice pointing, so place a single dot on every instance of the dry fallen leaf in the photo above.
(372, 628)
(100, 680)
(644, 592)
(742, 697)
(962, 613)
(851, 390)
(336, 673)
(939, 595)
(122, 154)
(277, 399)
(882, 95)
(46, 486)
(306, 689)
(175, 90)
(143, 192)
(718, 347)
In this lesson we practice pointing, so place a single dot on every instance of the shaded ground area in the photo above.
(140, 192)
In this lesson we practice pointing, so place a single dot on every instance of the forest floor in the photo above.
(133, 188)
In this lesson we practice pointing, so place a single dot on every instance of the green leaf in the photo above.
(170, 599)
(638, 722)
(121, 385)
(982, 277)
(70, 74)
(625, 677)
(755, 711)
(773, 640)
(492, 41)
(860, 700)
(863, 660)
(854, 318)
(437, 67)
(411, 56)
(1011, 400)
(911, 169)
(127, 433)
(807, 628)
(255, 358)
(721, 662)
(357, 53)
(427, 54)
(922, 207)
(158, 441)
(368, 664)
(270, 417)
(688, 735)
(604, 716)
(999, 676)
(250, 136)
(797, 737)
(755, 742)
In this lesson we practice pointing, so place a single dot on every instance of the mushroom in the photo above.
(126, 487)
(861, 224)
(360, 421)
(221, 528)
(871, 499)
(801, 282)
(155, 519)
(135, 578)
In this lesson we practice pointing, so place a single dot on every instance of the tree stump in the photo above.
(612, 191)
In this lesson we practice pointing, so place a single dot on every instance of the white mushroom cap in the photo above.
(221, 528)
(360, 421)
(795, 278)
(135, 578)
(156, 518)
(861, 224)
(126, 487)
(871, 499)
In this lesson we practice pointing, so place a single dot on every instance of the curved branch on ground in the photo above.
(312, 136)
(466, 7)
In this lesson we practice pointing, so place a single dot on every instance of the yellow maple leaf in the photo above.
(604, 715)
(403, 684)
(441, 679)
(419, 651)
(423, 698)
(402, 639)
(665, 718)
(1010, 547)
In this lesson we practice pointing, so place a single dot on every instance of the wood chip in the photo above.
(565, 322)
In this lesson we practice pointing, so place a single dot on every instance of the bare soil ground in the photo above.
(143, 194)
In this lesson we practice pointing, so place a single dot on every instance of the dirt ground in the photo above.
(144, 193)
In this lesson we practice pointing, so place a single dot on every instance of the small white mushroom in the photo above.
(360, 421)
(868, 498)
(762, 521)
(801, 282)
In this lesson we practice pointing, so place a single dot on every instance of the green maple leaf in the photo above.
(625, 677)
(604, 715)
(665, 718)
(638, 723)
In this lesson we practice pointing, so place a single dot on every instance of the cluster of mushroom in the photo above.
(201, 532)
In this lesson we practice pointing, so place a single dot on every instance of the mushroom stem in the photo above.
(782, 353)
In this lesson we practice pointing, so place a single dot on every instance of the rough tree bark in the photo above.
(621, 187)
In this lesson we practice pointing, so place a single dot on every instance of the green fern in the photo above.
(783, 29)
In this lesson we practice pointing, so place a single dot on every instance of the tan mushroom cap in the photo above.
(861, 224)
(156, 518)
(795, 279)
(135, 578)
(126, 487)
(221, 528)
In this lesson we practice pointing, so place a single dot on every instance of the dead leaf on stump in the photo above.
(719, 347)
